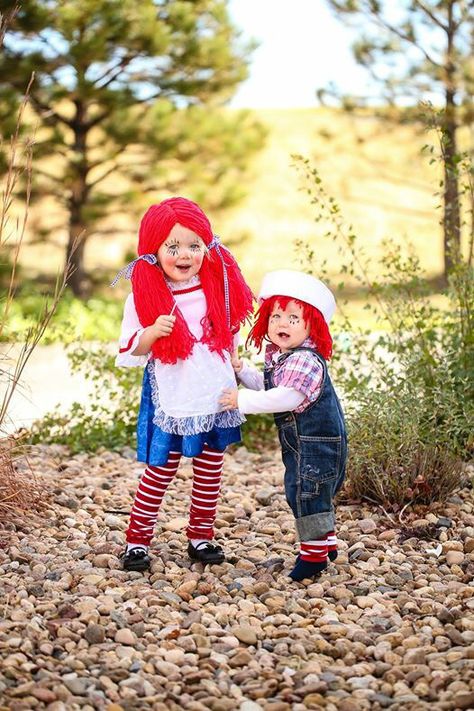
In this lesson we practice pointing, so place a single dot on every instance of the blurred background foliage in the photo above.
(129, 104)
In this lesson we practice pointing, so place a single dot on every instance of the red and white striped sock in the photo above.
(150, 493)
(207, 473)
(314, 551)
(331, 540)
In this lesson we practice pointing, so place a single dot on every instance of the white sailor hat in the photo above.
(298, 285)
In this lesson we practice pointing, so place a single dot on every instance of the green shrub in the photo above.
(259, 432)
(394, 458)
(93, 320)
(424, 358)
(408, 384)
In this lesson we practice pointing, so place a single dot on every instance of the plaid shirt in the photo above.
(300, 370)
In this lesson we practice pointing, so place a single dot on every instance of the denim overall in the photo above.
(314, 453)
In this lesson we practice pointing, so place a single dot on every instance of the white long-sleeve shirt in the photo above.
(254, 400)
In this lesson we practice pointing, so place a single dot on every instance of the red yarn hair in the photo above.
(153, 297)
(318, 328)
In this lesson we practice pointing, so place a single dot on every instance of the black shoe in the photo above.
(306, 569)
(136, 559)
(206, 552)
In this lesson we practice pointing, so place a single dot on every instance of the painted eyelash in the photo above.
(174, 246)
(291, 317)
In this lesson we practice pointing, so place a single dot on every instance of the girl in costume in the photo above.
(181, 322)
(295, 310)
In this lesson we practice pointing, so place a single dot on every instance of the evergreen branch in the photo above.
(402, 35)
(170, 186)
(159, 94)
(6, 19)
(411, 41)
(431, 15)
(99, 118)
(47, 113)
(105, 175)
(45, 174)
(62, 148)
(101, 161)
(466, 15)
(44, 40)
(117, 69)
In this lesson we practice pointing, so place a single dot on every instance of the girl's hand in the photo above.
(237, 363)
(164, 325)
(228, 399)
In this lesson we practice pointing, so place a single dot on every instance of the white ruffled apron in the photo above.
(193, 386)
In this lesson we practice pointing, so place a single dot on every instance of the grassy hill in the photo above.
(384, 186)
(375, 172)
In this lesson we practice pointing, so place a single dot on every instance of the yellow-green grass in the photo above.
(377, 175)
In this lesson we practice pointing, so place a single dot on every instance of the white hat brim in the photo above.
(298, 285)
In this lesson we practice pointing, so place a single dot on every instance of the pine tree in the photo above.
(418, 50)
(129, 101)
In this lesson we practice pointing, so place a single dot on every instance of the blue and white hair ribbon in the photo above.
(216, 244)
(127, 271)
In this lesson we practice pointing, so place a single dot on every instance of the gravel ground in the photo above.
(390, 625)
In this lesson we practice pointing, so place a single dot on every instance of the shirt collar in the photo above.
(179, 286)
(273, 353)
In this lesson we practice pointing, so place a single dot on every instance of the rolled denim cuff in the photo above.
(315, 526)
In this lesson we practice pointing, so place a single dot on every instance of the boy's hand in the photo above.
(237, 363)
(164, 325)
(228, 399)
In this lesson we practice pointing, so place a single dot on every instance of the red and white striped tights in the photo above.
(317, 551)
(207, 473)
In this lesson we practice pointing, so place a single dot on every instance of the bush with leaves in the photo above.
(94, 319)
(409, 385)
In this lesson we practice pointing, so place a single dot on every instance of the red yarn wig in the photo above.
(318, 328)
(153, 297)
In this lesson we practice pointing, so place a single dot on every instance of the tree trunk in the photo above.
(452, 214)
(78, 281)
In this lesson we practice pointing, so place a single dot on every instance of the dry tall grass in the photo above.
(20, 494)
